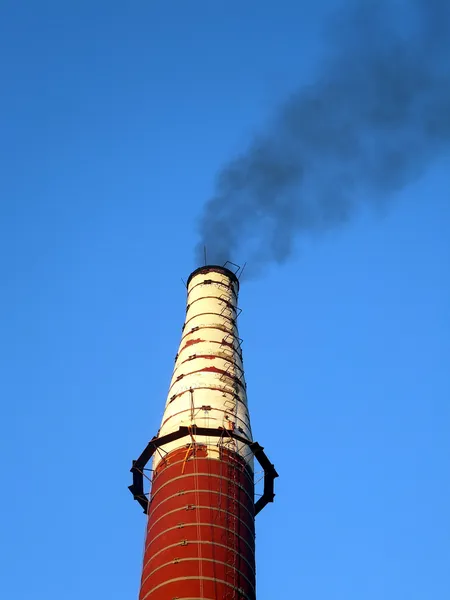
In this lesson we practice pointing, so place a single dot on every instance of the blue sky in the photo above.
(115, 118)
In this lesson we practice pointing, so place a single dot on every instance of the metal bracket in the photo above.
(137, 469)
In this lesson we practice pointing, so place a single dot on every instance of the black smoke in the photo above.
(376, 117)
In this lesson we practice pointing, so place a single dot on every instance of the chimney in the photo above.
(201, 509)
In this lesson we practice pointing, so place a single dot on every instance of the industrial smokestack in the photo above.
(200, 540)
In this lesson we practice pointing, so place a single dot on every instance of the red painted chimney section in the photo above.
(200, 542)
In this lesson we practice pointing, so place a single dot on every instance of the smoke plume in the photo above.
(377, 115)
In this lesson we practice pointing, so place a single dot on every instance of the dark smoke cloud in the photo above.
(376, 117)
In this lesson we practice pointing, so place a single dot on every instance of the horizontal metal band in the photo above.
(230, 305)
(238, 462)
(210, 282)
(206, 542)
(213, 314)
(220, 342)
(230, 347)
(184, 508)
(244, 469)
(227, 479)
(221, 581)
(183, 525)
(195, 491)
(199, 408)
(217, 326)
(197, 559)
(222, 390)
(226, 358)
(210, 370)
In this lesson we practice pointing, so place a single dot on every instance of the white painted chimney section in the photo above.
(208, 387)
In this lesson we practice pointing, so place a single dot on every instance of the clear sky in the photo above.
(114, 119)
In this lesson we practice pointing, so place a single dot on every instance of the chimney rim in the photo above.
(213, 269)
